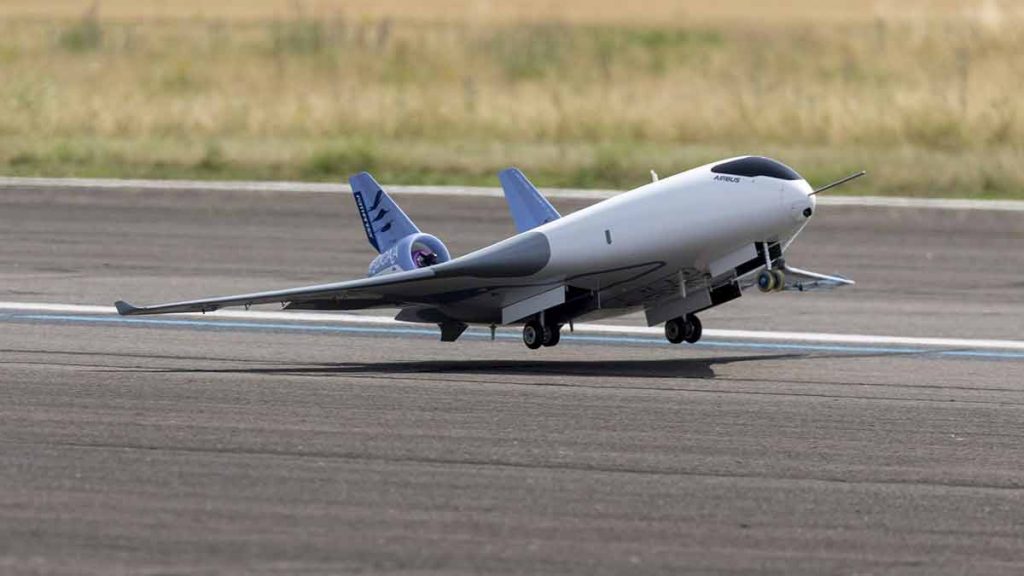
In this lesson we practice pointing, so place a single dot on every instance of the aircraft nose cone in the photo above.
(799, 199)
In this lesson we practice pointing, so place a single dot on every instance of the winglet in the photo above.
(124, 308)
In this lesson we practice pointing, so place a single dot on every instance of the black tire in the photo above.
(533, 335)
(696, 329)
(675, 330)
(552, 335)
(766, 281)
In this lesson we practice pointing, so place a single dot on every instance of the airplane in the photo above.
(671, 248)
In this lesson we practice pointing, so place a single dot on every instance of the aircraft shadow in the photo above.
(671, 368)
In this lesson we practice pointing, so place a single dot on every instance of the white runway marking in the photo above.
(479, 191)
(722, 335)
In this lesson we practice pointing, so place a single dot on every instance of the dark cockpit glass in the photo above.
(752, 166)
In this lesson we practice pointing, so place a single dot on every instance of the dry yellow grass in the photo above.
(581, 91)
(606, 12)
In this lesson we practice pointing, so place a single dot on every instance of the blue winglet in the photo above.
(529, 209)
(124, 308)
(383, 220)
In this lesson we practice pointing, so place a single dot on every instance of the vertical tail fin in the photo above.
(383, 220)
(529, 209)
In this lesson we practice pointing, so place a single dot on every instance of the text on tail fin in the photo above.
(383, 221)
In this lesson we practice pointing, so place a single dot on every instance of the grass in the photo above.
(926, 98)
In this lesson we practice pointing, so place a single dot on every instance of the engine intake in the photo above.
(412, 252)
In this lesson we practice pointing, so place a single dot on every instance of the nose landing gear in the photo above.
(771, 280)
(684, 328)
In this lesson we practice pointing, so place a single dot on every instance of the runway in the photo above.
(267, 444)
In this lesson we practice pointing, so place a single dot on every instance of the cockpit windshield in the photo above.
(752, 166)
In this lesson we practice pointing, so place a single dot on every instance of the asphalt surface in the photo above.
(128, 449)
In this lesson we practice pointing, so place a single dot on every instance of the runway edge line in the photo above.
(13, 182)
(718, 334)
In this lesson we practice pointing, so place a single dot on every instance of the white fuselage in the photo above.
(686, 222)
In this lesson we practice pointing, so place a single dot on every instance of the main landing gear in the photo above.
(535, 335)
(685, 328)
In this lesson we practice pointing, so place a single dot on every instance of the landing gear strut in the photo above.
(684, 328)
(535, 335)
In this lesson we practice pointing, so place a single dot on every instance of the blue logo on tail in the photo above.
(361, 206)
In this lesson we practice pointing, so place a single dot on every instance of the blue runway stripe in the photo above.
(483, 334)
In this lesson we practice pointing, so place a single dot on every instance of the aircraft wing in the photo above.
(377, 288)
(505, 269)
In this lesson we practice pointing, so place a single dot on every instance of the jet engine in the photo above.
(412, 252)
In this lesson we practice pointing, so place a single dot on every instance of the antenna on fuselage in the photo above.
(654, 176)
(839, 182)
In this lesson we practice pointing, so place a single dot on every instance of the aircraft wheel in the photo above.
(675, 330)
(552, 335)
(767, 281)
(780, 279)
(694, 329)
(533, 335)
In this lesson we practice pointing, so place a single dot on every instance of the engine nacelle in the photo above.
(412, 252)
